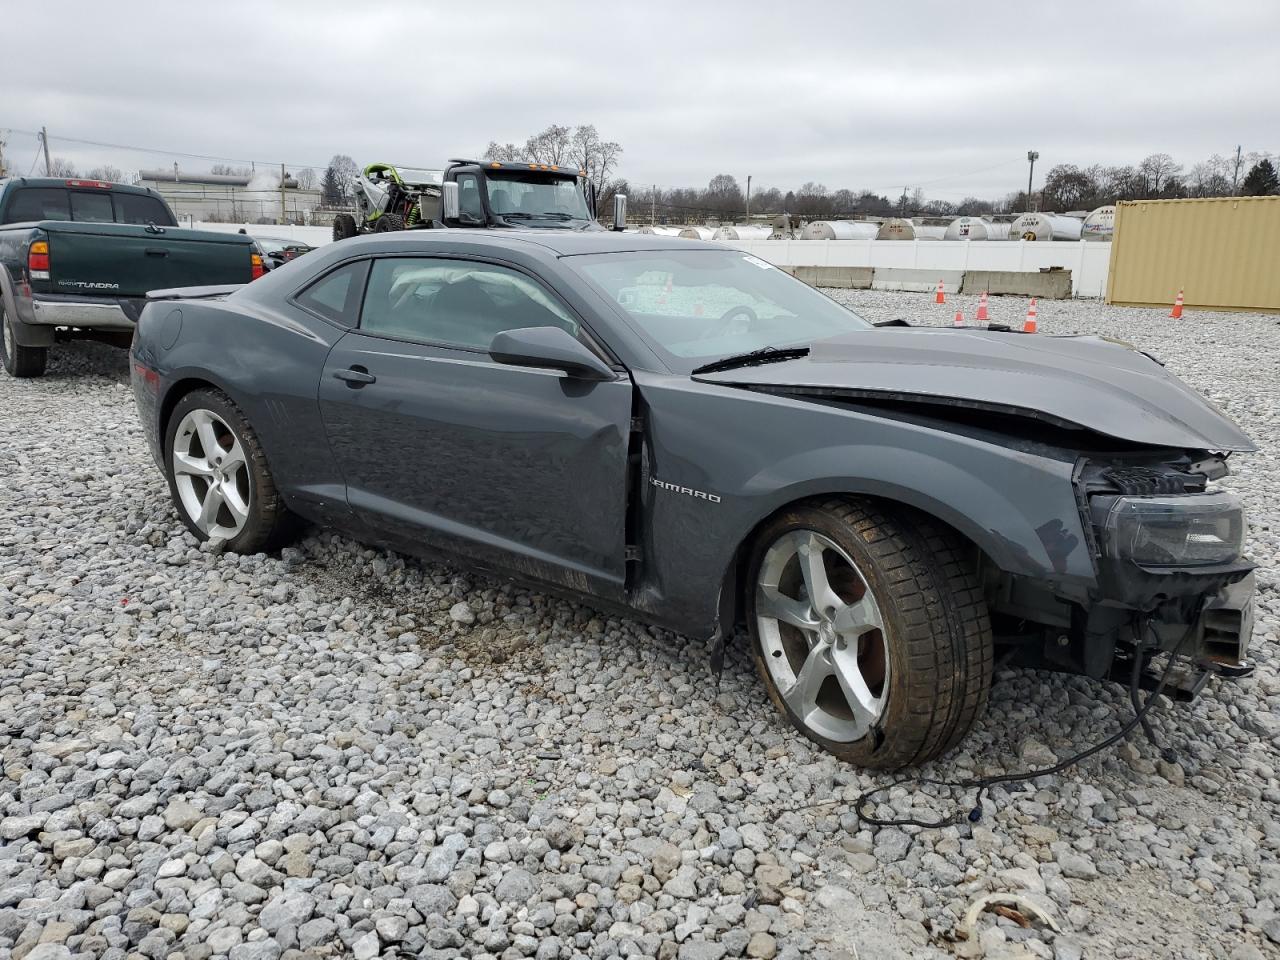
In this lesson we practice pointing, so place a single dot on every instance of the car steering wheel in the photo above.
(738, 319)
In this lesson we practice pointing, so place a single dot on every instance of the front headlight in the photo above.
(1184, 531)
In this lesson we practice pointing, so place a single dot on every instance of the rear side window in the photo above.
(336, 295)
(37, 203)
(141, 209)
(91, 207)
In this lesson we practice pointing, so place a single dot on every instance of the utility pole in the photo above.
(44, 140)
(1235, 177)
(283, 218)
(653, 206)
(748, 196)
(1032, 157)
(2, 143)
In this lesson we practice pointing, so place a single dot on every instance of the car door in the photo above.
(515, 467)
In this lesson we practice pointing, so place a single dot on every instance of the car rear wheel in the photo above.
(218, 475)
(870, 630)
(18, 360)
(344, 225)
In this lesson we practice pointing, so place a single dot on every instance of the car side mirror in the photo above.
(548, 348)
(619, 211)
(449, 200)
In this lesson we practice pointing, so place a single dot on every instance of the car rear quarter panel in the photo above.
(268, 361)
(759, 453)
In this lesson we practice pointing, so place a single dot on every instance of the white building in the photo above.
(232, 199)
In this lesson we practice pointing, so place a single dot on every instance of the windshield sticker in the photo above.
(756, 261)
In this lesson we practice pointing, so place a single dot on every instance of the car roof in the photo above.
(71, 181)
(563, 243)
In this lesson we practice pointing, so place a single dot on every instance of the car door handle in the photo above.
(156, 252)
(355, 376)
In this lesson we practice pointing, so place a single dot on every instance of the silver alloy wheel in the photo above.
(211, 474)
(823, 636)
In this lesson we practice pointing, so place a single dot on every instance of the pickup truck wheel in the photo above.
(870, 630)
(218, 475)
(19, 361)
(344, 225)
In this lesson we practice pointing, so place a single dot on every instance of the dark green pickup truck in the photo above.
(77, 258)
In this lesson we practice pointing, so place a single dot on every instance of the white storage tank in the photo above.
(839, 230)
(1044, 226)
(975, 228)
(896, 228)
(1100, 224)
(748, 231)
(929, 231)
(698, 233)
(660, 231)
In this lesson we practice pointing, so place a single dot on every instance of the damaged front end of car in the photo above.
(1145, 453)
(1168, 550)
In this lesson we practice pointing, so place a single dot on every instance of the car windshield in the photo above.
(695, 306)
(528, 196)
(271, 244)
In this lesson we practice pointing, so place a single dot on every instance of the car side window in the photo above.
(455, 303)
(469, 204)
(336, 295)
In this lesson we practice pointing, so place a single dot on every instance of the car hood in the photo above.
(1085, 381)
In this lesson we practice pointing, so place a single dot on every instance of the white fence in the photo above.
(1087, 260)
(312, 236)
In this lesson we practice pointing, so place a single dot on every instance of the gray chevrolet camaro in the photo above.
(683, 433)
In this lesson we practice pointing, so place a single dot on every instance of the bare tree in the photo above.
(62, 167)
(230, 170)
(1156, 170)
(343, 181)
(503, 152)
(551, 146)
(108, 173)
(306, 178)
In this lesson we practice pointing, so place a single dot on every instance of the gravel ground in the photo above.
(341, 752)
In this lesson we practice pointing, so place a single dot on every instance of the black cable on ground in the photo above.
(983, 784)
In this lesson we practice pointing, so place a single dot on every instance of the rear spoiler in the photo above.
(194, 293)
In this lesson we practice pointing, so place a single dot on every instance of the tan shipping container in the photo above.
(1223, 253)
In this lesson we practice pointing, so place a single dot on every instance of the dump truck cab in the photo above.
(494, 193)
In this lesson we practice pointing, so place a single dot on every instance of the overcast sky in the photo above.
(943, 95)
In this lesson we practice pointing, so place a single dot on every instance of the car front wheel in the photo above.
(218, 475)
(870, 630)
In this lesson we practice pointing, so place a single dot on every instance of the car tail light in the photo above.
(38, 260)
(255, 263)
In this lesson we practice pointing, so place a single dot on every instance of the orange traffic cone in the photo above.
(982, 309)
(1030, 325)
(1176, 313)
(940, 297)
(959, 320)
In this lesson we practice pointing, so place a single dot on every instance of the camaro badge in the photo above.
(687, 491)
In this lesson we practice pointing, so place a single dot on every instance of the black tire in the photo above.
(388, 223)
(937, 635)
(18, 360)
(344, 225)
(269, 524)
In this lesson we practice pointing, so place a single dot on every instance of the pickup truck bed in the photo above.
(78, 257)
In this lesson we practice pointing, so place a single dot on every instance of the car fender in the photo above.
(721, 461)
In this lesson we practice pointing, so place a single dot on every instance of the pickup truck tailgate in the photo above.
(127, 260)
